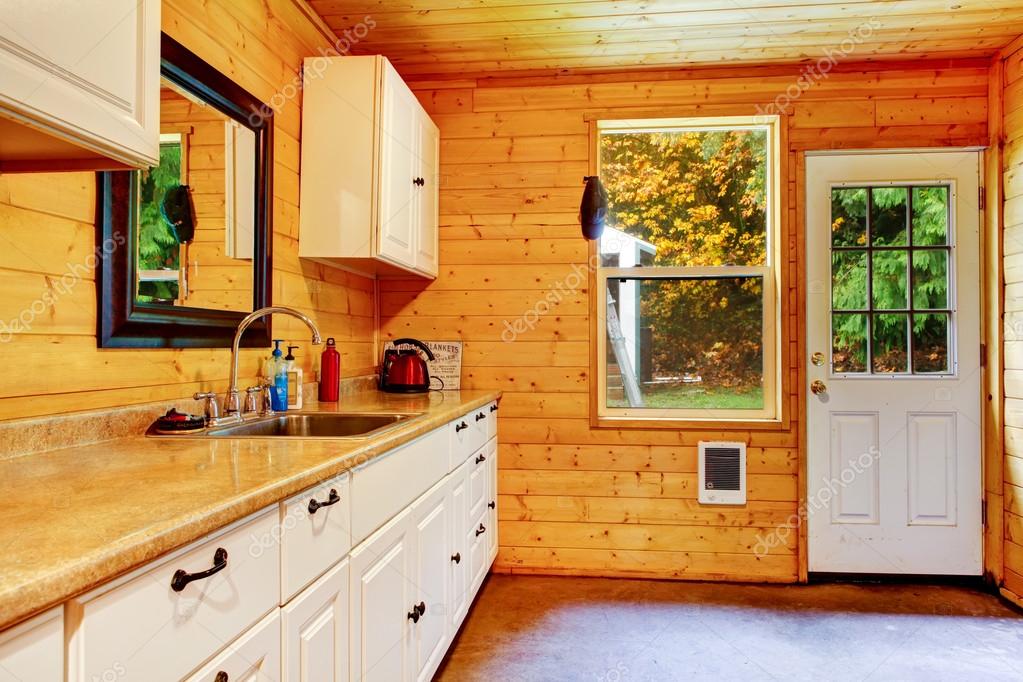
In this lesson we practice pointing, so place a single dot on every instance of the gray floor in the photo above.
(538, 628)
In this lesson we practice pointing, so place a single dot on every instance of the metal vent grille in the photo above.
(722, 470)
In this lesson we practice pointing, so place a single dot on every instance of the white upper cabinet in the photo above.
(79, 84)
(369, 169)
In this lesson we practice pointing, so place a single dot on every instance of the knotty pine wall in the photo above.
(579, 500)
(1012, 246)
(47, 227)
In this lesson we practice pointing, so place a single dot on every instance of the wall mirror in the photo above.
(186, 245)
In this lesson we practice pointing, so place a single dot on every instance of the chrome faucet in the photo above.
(232, 403)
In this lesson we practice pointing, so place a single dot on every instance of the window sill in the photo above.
(605, 422)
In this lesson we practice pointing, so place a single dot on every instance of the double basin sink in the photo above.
(307, 425)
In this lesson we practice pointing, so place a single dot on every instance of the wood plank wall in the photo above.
(46, 228)
(1012, 239)
(577, 500)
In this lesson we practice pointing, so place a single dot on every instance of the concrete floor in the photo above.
(539, 628)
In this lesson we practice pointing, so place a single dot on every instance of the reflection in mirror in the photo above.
(196, 212)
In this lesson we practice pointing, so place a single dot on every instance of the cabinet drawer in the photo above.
(155, 632)
(316, 532)
(479, 482)
(466, 438)
(386, 485)
(491, 422)
(253, 657)
(34, 650)
(479, 550)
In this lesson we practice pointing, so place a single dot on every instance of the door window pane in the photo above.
(849, 280)
(930, 216)
(849, 217)
(930, 279)
(849, 342)
(889, 269)
(930, 343)
(888, 216)
(689, 343)
(889, 343)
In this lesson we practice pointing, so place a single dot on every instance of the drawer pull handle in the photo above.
(457, 557)
(221, 677)
(418, 610)
(480, 459)
(480, 416)
(182, 578)
(493, 408)
(460, 426)
(333, 498)
(481, 530)
(492, 504)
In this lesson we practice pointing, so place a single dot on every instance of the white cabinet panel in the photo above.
(458, 484)
(85, 72)
(491, 534)
(431, 519)
(315, 531)
(253, 657)
(427, 251)
(381, 603)
(399, 167)
(315, 626)
(34, 650)
(158, 633)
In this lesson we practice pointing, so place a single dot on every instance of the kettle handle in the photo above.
(417, 343)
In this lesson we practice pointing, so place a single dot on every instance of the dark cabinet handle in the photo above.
(457, 557)
(182, 578)
(460, 426)
(481, 530)
(418, 181)
(221, 677)
(492, 504)
(481, 459)
(493, 408)
(480, 416)
(418, 610)
(333, 498)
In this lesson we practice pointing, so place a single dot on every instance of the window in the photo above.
(890, 258)
(687, 290)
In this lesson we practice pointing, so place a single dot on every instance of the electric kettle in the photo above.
(403, 369)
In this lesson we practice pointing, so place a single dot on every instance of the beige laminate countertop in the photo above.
(77, 517)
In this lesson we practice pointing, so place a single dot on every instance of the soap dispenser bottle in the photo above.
(277, 377)
(294, 380)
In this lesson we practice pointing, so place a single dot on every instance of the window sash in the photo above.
(769, 336)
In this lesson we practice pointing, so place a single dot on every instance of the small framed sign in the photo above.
(447, 365)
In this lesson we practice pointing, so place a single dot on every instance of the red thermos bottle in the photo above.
(330, 373)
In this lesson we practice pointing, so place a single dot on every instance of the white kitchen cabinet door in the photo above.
(382, 603)
(34, 650)
(315, 626)
(431, 519)
(399, 168)
(458, 568)
(254, 657)
(86, 73)
(491, 501)
(427, 259)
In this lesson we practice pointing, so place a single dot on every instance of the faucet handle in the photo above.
(210, 405)
(251, 398)
(266, 407)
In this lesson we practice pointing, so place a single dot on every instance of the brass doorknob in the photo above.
(818, 387)
(817, 359)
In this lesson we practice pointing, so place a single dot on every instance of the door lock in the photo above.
(817, 359)
(818, 387)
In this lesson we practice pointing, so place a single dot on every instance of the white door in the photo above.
(431, 517)
(428, 193)
(399, 165)
(315, 625)
(460, 558)
(381, 603)
(893, 345)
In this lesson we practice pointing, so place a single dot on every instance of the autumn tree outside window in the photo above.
(687, 291)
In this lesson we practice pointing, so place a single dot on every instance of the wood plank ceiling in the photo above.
(449, 38)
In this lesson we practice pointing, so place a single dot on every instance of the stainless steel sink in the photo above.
(311, 425)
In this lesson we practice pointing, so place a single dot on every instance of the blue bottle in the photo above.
(277, 374)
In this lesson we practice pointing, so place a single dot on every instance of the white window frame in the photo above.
(769, 272)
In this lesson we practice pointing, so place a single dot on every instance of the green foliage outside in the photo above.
(158, 245)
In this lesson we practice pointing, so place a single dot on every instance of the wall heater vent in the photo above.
(722, 473)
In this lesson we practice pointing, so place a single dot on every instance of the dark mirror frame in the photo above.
(122, 321)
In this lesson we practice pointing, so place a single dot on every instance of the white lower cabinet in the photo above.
(253, 657)
(315, 630)
(34, 650)
(458, 567)
(431, 520)
(382, 607)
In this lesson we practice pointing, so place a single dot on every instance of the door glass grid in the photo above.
(890, 257)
